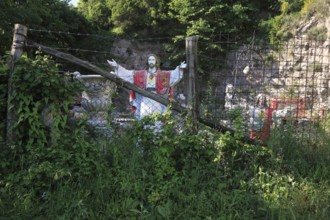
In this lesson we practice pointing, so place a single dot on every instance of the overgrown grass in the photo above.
(174, 174)
(184, 171)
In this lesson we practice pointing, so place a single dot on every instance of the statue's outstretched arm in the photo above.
(121, 71)
(177, 74)
(183, 65)
(113, 63)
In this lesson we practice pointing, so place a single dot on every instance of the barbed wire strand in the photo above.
(99, 36)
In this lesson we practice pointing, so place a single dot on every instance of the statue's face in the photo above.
(230, 89)
(262, 101)
(152, 61)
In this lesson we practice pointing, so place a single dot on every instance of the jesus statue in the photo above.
(152, 79)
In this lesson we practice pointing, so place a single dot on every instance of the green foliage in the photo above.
(205, 174)
(238, 123)
(172, 173)
(178, 19)
(96, 12)
(317, 34)
(3, 97)
(283, 27)
(304, 165)
(315, 67)
(294, 15)
(316, 8)
(177, 172)
(56, 169)
(41, 15)
(50, 156)
(38, 94)
(201, 19)
(131, 18)
(208, 20)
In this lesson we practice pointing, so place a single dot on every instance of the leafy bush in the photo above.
(315, 67)
(316, 7)
(304, 165)
(317, 34)
(49, 152)
(297, 13)
(181, 170)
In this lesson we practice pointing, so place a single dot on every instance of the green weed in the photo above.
(178, 172)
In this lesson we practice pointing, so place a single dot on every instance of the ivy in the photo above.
(40, 94)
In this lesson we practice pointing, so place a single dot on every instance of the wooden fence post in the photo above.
(191, 89)
(19, 39)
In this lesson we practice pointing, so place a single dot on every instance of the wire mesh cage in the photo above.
(270, 86)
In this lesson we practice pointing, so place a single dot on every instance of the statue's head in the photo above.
(229, 91)
(152, 61)
(261, 100)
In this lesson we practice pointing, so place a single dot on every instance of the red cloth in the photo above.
(263, 134)
(162, 83)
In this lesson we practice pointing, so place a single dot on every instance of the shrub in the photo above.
(184, 170)
(315, 67)
(317, 33)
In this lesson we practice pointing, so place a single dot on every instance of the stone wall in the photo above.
(297, 68)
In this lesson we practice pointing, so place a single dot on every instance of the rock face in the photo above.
(297, 69)
(133, 55)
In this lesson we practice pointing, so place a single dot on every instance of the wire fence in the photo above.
(269, 85)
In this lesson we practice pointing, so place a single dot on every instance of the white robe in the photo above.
(145, 105)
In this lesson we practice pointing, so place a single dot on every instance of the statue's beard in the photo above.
(152, 65)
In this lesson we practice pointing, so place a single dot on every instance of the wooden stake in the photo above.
(191, 91)
(19, 39)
